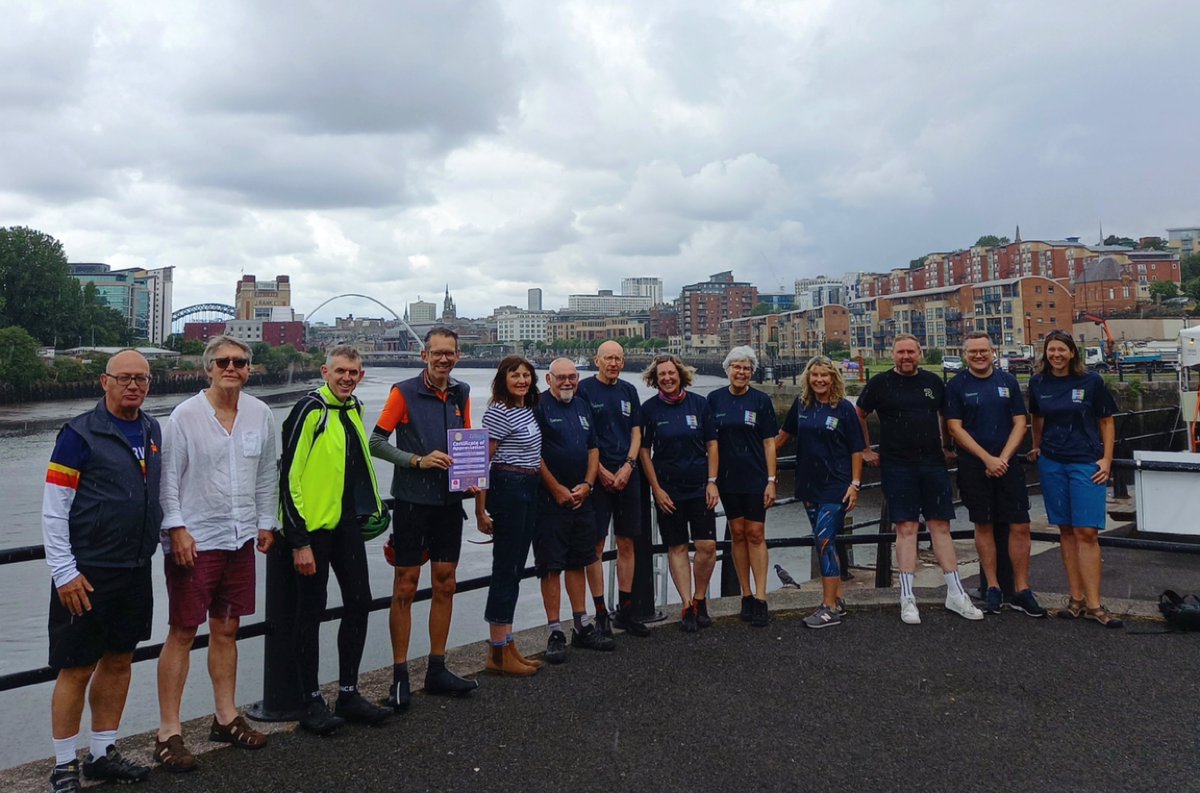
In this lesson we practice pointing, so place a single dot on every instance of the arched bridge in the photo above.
(381, 304)
(203, 308)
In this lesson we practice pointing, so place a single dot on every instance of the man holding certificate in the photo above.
(428, 515)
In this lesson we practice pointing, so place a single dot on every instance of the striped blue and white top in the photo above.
(516, 433)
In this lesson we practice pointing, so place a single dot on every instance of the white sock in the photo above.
(906, 584)
(101, 741)
(65, 750)
(554, 626)
(954, 583)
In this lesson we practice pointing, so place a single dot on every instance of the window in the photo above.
(1037, 305)
(1050, 290)
(1037, 290)
(1051, 304)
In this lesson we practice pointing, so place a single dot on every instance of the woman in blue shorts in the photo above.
(1073, 444)
(679, 458)
(829, 446)
(746, 427)
(508, 508)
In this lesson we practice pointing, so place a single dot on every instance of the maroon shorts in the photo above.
(221, 584)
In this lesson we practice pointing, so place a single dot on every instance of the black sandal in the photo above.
(1074, 610)
(1104, 617)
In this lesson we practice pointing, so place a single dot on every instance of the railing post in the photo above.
(282, 698)
(845, 552)
(644, 607)
(883, 550)
(730, 585)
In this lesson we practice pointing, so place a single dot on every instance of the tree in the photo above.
(933, 356)
(19, 361)
(1164, 290)
(763, 308)
(1191, 288)
(1152, 244)
(917, 263)
(1189, 268)
(837, 347)
(1113, 239)
(37, 291)
(991, 241)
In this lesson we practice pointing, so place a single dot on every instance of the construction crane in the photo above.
(1110, 344)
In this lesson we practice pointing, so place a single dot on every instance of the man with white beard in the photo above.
(566, 526)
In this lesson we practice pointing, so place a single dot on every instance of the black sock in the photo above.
(625, 601)
(579, 617)
(436, 662)
(399, 672)
(600, 607)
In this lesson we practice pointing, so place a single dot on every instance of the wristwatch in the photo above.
(772, 479)
(856, 484)
(416, 461)
(632, 462)
(712, 480)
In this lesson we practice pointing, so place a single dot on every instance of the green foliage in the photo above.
(19, 361)
(1152, 244)
(1113, 239)
(833, 348)
(991, 241)
(917, 263)
(1189, 268)
(761, 309)
(37, 291)
(1191, 288)
(1164, 290)
(934, 356)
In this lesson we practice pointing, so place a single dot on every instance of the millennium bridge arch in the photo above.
(381, 304)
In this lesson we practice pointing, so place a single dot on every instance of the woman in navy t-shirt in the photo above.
(679, 458)
(746, 427)
(1073, 438)
(829, 446)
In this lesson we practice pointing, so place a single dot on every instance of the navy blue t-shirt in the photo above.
(616, 410)
(907, 406)
(743, 423)
(676, 436)
(1070, 408)
(568, 433)
(986, 406)
(826, 437)
(134, 433)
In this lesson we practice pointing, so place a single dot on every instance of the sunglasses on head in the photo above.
(238, 363)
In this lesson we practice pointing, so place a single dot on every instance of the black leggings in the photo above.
(344, 551)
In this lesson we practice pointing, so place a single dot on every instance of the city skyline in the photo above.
(503, 147)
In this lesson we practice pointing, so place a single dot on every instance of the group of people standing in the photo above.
(564, 467)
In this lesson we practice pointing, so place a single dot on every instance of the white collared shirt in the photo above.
(221, 486)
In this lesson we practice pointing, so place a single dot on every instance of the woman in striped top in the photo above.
(508, 509)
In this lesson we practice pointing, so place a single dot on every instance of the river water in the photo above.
(25, 589)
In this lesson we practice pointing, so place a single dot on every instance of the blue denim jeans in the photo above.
(512, 503)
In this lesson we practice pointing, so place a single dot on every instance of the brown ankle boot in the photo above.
(512, 650)
(510, 666)
(495, 660)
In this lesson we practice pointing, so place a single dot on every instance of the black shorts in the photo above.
(623, 509)
(1000, 499)
(421, 531)
(122, 612)
(691, 513)
(916, 489)
(564, 539)
(744, 505)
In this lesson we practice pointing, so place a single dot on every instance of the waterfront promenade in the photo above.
(1009, 703)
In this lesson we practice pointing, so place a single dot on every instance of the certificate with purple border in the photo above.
(469, 450)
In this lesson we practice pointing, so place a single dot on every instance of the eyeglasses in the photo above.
(565, 378)
(441, 353)
(123, 380)
(238, 363)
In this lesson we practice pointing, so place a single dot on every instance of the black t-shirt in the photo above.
(743, 423)
(907, 405)
(985, 406)
(568, 433)
(616, 410)
(677, 437)
(827, 437)
(1071, 408)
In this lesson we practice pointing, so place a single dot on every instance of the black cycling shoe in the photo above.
(318, 720)
(687, 620)
(556, 648)
(112, 767)
(702, 618)
(352, 706)
(399, 695)
(441, 682)
(591, 639)
(65, 778)
(605, 626)
(624, 619)
(747, 613)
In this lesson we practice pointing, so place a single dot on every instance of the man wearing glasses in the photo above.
(100, 522)
(428, 516)
(566, 528)
(986, 415)
(219, 496)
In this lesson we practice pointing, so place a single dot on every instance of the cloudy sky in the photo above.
(393, 147)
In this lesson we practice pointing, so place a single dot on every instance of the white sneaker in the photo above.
(909, 614)
(962, 606)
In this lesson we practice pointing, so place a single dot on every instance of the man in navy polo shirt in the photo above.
(986, 416)
(565, 538)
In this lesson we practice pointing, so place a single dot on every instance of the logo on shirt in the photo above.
(626, 407)
(1002, 390)
(750, 418)
(1076, 394)
(692, 421)
(831, 423)
(929, 393)
(583, 422)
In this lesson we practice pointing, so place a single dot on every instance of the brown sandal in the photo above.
(1104, 617)
(1074, 610)
(238, 733)
(173, 755)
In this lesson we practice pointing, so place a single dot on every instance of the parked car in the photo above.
(952, 363)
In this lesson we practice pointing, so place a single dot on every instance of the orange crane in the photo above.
(1110, 343)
